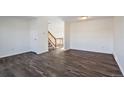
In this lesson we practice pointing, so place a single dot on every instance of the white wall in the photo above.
(56, 27)
(23, 34)
(66, 36)
(14, 36)
(119, 41)
(39, 35)
(92, 35)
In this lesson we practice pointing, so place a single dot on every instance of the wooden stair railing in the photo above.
(52, 39)
(55, 42)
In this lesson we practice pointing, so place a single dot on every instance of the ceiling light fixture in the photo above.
(83, 17)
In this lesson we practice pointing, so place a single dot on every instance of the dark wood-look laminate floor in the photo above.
(71, 63)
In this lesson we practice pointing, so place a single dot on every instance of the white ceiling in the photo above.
(61, 18)
(20, 17)
(76, 18)
(55, 19)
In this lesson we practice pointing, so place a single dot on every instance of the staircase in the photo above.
(51, 47)
(54, 42)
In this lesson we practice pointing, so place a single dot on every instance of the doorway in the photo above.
(55, 33)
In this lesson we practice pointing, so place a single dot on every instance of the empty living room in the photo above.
(61, 46)
(92, 46)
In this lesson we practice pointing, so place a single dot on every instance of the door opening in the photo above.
(55, 33)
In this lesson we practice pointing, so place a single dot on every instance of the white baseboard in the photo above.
(41, 52)
(92, 51)
(117, 60)
(13, 53)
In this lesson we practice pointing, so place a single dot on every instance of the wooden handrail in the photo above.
(54, 42)
(51, 34)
